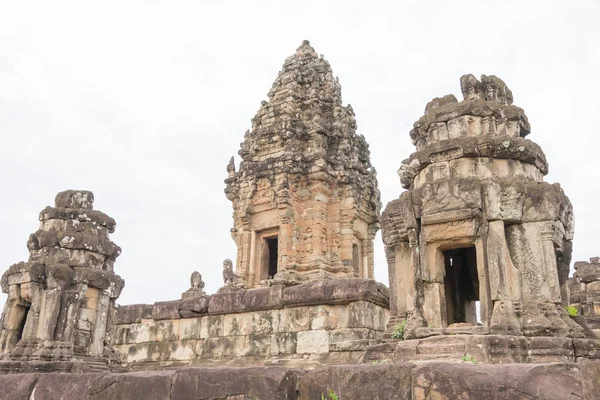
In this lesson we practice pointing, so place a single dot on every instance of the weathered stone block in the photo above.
(211, 326)
(223, 347)
(351, 339)
(237, 324)
(249, 383)
(18, 387)
(263, 298)
(257, 345)
(190, 328)
(165, 310)
(129, 314)
(167, 330)
(194, 307)
(146, 385)
(138, 352)
(284, 343)
(184, 350)
(514, 381)
(313, 342)
(377, 382)
(294, 319)
(228, 302)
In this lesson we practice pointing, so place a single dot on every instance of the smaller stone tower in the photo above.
(479, 239)
(305, 198)
(61, 301)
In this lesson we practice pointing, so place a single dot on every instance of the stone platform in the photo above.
(322, 322)
(411, 381)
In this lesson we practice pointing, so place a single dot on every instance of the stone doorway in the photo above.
(461, 285)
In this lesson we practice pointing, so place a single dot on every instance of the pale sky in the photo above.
(145, 102)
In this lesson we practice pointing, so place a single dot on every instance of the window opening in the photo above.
(272, 245)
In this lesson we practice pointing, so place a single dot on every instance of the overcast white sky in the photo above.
(144, 102)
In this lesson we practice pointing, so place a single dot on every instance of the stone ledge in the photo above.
(332, 292)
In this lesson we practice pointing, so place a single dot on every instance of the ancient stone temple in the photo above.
(478, 250)
(479, 239)
(305, 197)
(60, 303)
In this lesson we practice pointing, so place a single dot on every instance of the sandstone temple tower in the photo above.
(305, 197)
(478, 223)
(61, 302)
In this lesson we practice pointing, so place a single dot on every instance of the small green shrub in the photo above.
(468, 358)
(399, 330)
(572, 310)
(330, 395)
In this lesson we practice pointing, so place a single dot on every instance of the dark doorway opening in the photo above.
(21, 327)
(272, 245)
(461, 285)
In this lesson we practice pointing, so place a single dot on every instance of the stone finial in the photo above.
(229, 277)
(306, 49)
(75, 199)
(231, 168)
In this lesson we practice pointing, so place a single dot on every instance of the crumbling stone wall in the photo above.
(326, 321)
(306, 179)
(584, 291)
(60, 302)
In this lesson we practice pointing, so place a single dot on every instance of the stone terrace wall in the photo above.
(325, 322)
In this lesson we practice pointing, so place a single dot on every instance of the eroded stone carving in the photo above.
(304, 182)
(478, 226)
(229, 277)
(61, 301)
(196, 287)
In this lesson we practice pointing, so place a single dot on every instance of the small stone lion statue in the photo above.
(229, 277)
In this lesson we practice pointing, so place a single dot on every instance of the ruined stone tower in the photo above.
(478, 223)
(305, 196)
(60, 304)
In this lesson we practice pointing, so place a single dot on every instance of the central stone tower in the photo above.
(305, 198)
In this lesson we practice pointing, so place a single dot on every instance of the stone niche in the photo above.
(321, 322)
(305, 198)
(60, 305)
(478, 242)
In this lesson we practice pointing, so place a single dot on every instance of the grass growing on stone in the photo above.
(468, 358)
(330, 395)
(399, 330)
(572, 310)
